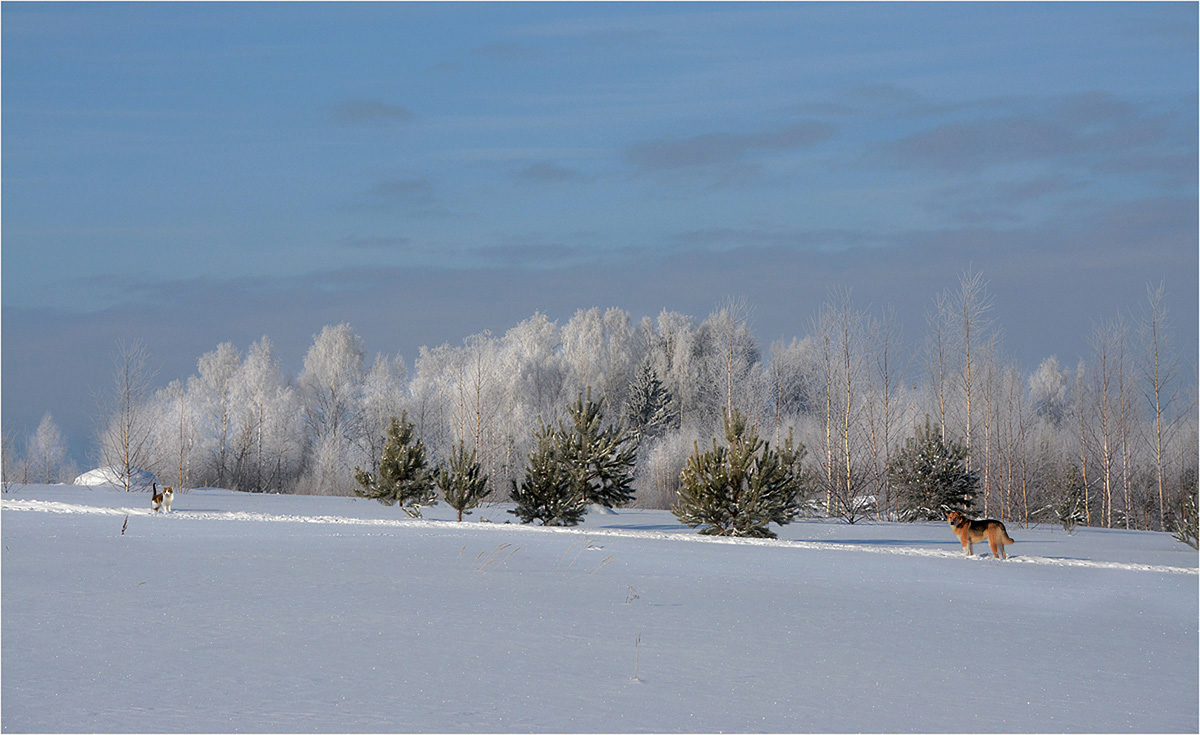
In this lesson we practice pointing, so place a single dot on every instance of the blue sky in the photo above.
(187, 174)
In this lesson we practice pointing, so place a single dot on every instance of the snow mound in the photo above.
(115, 476)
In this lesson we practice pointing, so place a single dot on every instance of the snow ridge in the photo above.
(246, 516)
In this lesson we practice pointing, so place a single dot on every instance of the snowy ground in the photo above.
(305, 614)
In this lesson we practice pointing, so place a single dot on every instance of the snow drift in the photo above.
(116, 476)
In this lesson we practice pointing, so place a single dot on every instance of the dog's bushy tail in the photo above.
(1004, 531)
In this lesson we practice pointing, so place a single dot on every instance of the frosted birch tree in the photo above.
(384, 395)
(125, 436)
(849, 473)
(46, 452)
(216, 400)
(330, 392)
(1158, 368)
(267, 430)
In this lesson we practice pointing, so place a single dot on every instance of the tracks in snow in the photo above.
(45, 506)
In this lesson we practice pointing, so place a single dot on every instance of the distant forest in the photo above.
(1115, 434)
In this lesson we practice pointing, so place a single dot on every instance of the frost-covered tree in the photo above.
(1070, 507)
(430, 404)
(331, 382)
(384, 393)
(330, 386)
(741, 488)
(678, 363)
(177, 433)
(599, 351)
(538, 372)
(11, 466)
(730, 354)
(125, 437)
(46, 452)
(932, 477)
(267, 426)
(650, 411)
(1158, 367)
(403, 475)
(794, 379)
(1048, 391)
(461, 480)
(850, 473)
(215, 395)
(479, 396)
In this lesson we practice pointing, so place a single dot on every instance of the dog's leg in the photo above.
(969, 547)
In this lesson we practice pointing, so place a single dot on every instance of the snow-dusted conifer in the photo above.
(932, 477)
(600, 458)
(650, 410)
(741, 488)
(547, 492)
(461, 480)
(1185, 526)
(403, 476)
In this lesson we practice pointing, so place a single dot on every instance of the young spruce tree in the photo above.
(649, 411)
(403, 476)
(741, 488)
(932, 477)
(461, 480)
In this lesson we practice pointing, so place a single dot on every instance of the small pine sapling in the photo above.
(576, 463)
(1184, 526)
(741, 488)
(547, 493)
(462, 481)
(403, 476)
(932, 476)
(601, 458)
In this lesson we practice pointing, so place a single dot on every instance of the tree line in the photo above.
(1117, 432)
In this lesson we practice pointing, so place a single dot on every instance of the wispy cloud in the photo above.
(360, 111)
(412, 196)
(508, 52)
(1084, 130)
(547, 172)
(721, 149)
(375, 243)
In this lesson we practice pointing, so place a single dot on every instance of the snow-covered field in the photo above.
(299, 614)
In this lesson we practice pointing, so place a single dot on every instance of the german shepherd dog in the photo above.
(161, 500)
(969, 532)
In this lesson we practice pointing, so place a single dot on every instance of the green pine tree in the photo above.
(548, 492)
(461, 480)
(600, 458)
(741, 488)
(403, 476)
(931, 476)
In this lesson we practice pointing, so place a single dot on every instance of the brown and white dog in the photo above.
(969, 532)
(161, 500)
